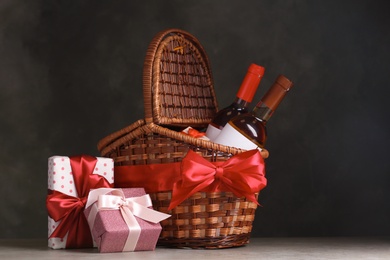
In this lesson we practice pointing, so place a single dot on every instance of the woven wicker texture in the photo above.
(178, 86)
(148, 143)
(178, 91)
(209, 220)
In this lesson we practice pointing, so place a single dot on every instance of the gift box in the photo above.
(123, 220)
(69, 181)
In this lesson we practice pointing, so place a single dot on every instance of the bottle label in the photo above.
(212, 132)
(229, 136)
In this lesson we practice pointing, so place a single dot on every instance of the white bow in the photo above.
(129, 208)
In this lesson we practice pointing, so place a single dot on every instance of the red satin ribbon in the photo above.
(69, 209)
(243, 174)
(152, 177)
(194, 133)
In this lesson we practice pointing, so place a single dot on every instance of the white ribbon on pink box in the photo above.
(114, 199)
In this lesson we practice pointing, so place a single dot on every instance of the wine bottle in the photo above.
(240, 105)
(248, 131)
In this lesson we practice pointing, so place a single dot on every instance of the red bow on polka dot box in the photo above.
(70, 180)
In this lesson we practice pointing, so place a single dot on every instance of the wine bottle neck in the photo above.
(262, 112)
(250, 83)
(241, 103)
(271, 100)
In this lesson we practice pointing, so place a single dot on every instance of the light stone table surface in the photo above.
(258, 248)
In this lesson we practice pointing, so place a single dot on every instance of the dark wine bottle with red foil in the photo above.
(244, 97)
(248, 131)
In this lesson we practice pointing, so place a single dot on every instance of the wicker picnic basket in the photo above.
(178, 92)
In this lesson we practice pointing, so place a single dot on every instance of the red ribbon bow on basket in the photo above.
(243, 174)
(69, 209)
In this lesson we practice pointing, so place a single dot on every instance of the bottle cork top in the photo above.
(256, 69)
(276, 93)
(251, 82)
(284, 82)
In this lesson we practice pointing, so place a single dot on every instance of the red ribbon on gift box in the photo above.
(243, 174)
(69, 209)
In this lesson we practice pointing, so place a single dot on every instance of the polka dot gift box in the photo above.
(70, 180)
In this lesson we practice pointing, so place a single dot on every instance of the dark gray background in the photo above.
(71, 73)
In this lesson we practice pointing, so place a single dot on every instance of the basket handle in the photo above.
(148, 65)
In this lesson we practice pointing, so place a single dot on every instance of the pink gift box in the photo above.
(110, 231)
(61, 179)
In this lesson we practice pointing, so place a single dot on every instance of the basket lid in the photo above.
(177, 81)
